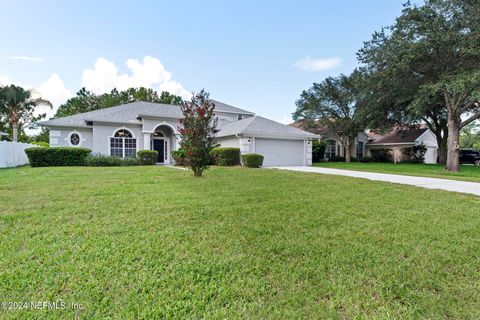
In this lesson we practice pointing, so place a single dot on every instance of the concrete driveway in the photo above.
(422, 182)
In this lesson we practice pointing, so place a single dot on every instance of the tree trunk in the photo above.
(348, 157)
(442, 149)
(453, 161)
(15, 132)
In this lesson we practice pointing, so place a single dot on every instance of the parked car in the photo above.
(470, 156)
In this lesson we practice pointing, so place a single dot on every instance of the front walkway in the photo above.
(422, 182)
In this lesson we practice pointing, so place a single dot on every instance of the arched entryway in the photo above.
(163, 141)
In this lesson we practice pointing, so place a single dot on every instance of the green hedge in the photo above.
(110, 161)
(252, 160)
(147, 157)
(56, 156)
(225, 156)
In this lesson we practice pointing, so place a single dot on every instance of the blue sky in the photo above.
(257, 55)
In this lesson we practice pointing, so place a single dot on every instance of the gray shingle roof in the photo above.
(259, 125)
(220, 106)
(129, 112)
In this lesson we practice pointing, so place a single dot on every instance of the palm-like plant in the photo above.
(17, 105)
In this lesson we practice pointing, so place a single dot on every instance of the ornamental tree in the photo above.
(197, 131)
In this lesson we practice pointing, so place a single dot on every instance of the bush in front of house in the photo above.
(252, 160)
(364, 159)
(225, 156)
(102, 161)
(414, 154)
(337, 159)
(381, 155)
(56, 156)
(318, 150)
(147, 157)
(179, 157)
(110, 161)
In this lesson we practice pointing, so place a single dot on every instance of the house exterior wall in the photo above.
(231, 142)
(103, 132)
(60, 137)
(339, 148)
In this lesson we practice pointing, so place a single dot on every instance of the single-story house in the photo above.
(123, 130)
(394, 140)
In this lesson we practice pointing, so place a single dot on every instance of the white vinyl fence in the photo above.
(12, 154)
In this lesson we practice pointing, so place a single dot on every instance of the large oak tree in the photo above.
(336, 103)
(430, 59)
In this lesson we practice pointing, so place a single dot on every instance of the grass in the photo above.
(155, 242)
(466, 173)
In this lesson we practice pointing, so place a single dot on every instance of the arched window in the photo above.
(360, 147)
(123, 144)
(330, 149)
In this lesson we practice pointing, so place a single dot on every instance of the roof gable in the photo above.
(259, 125)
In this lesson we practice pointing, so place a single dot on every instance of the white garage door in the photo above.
(280, 152)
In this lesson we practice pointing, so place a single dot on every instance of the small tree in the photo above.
(197, 131)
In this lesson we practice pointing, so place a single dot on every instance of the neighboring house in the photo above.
(394, 140)
(398, 139)
(334, 147)
(123, 130)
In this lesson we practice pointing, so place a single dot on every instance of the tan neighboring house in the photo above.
(394, 140)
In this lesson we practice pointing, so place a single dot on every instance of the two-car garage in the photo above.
(279, 144)
(280, 152)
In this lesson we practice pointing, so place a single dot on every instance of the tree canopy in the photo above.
(336, 103)
(86, 101)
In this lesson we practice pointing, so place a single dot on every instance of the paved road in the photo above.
(428, 183)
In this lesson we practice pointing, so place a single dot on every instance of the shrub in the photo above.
(225, 156)
(381, 155)
(57, 156)
(337, 159)
(130, 162)
(41, 144)
(415, 154)
(147, 157)
(110, 161)
(318, 150)
(179, 157)
(252, 160)
(102, 161)
(364, 159)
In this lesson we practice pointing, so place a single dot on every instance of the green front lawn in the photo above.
(467, 172)
(154, 242)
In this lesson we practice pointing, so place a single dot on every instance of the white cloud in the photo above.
(286, 119)
(24, 58)
(55, 91)
(310, 64)
(150, 74)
